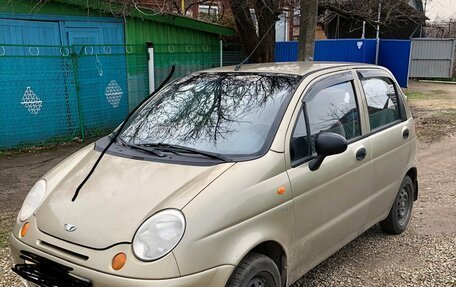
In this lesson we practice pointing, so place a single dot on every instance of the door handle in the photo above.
(406, 133)
(361, 154)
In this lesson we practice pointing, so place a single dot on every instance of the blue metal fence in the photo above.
(286, 51)
(346, 50)
(393, 54)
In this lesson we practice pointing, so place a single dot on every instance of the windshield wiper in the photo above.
(178, 148)
(144, 148)
(118, 131)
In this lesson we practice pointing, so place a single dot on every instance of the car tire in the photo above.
(401, 211)
(255, 270)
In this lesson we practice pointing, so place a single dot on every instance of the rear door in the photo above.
(389, 132)
(330, 203)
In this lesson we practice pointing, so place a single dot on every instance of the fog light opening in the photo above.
(118, 261)
(25, 229)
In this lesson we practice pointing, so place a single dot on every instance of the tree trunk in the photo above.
(307, 26)
(266, 14)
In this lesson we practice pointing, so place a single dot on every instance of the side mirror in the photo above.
(327, 144)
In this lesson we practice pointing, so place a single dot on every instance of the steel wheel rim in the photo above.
(403, 204)
(262, 279)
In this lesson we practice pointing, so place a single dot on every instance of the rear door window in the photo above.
(382, 101)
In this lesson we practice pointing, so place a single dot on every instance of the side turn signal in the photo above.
(25, 229)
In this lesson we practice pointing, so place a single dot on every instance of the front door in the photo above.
(330, 203)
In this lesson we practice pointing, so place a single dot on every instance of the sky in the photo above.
(441, 10)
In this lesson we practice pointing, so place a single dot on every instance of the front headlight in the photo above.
(159, 234)
(33, 200)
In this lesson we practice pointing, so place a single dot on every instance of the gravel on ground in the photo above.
(424, 255)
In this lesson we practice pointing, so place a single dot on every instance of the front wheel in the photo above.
(401, 211)
(255, 270)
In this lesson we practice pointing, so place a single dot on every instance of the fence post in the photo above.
(75, 58)
(409, 62)
(221, 53)
(453, 59)
(150, 51)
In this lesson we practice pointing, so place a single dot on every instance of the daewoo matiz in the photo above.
(227, 178)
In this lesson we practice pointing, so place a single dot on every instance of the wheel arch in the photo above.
(277, 253)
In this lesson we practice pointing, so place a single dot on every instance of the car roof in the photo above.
(293, 68)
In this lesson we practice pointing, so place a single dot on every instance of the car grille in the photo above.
(42, 272)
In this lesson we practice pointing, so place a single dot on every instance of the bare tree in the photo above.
(157, 7)
(393, 12)
(255, 19)
(266, 13)
(441, 29)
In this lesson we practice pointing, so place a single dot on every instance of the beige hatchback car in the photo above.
(227, 178)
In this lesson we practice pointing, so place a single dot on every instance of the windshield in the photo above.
(223, 113)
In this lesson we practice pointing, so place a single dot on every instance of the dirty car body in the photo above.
(288, 161)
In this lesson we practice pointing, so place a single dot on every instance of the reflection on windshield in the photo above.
(226, 113)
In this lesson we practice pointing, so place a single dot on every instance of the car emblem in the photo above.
(70, 227)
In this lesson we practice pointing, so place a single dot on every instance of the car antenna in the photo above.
(116, 134)
(238, 66)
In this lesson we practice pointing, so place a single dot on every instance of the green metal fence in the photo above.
(186, 57)
(52, 94)
(233, 54)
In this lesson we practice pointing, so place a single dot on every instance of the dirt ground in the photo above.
(434, 109)
(425, 255)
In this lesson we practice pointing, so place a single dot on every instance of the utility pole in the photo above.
(377, 50)
(363, 35)
(425, 9)
(449, 28)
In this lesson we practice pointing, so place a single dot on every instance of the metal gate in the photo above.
(395, 56)
(432, 58)
(51, 94)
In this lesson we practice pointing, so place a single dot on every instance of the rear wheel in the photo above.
(401, 211)
(255, 270)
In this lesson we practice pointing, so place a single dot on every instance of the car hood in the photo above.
(117, 198)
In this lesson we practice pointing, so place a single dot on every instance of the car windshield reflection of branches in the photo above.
(213, 112)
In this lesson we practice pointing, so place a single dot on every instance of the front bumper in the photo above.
(215, 277)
